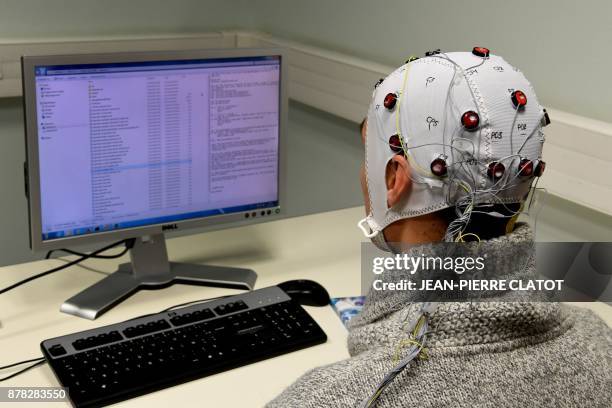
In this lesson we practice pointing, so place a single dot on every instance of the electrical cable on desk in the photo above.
(71, 252)
(41, 360)
(127, 242)
(38, 361)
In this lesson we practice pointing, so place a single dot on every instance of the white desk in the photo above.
(323, 247)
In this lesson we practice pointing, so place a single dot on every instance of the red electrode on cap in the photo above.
(470, 120)
(495, 171)
(480, 52)
(438, 167)
(525, 168)
(539, 169)
(519, 99)
(395, 144)
(390, 101)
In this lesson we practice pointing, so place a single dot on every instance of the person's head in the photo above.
(453, 143)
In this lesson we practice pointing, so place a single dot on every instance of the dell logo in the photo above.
(169, 227)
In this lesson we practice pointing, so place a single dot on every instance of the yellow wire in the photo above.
(399, 105)
(461, 236)
(411, 160)
(512, 221)
(411, 340)
(417, 327)
(403, 343)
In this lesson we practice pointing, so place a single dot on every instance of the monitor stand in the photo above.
(150, 269)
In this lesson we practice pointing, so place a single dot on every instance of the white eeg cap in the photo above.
(432, 104)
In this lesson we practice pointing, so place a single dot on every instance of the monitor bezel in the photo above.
(32, 165)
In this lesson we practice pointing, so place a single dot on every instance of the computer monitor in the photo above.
(129, 145)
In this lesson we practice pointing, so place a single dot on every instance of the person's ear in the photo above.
(397, 177)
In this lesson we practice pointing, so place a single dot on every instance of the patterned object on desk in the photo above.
(348, 307)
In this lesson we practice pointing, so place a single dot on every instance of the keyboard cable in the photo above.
(38, 361)
(129, 243)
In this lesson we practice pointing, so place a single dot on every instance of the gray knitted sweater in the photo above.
(493, 354)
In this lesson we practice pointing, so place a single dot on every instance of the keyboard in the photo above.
(121, 361)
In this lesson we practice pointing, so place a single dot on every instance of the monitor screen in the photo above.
(126, 145)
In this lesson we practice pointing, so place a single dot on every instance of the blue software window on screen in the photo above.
(133, 144)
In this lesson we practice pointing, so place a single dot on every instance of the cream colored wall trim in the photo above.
(11, 51)
(578, 149)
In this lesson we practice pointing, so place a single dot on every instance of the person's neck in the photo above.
(424, 229)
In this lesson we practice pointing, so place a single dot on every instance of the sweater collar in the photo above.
(461, 323)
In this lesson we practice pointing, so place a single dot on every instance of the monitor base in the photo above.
(150, 269)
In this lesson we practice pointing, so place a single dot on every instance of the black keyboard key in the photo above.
(95, 341)
(231, 307)
(193, 317)
(57, 350)
(147, 328)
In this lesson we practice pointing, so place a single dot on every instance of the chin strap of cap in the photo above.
(372, 228)
(373, 231)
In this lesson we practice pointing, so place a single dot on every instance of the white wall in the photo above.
(34, 19)
(561, 45)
